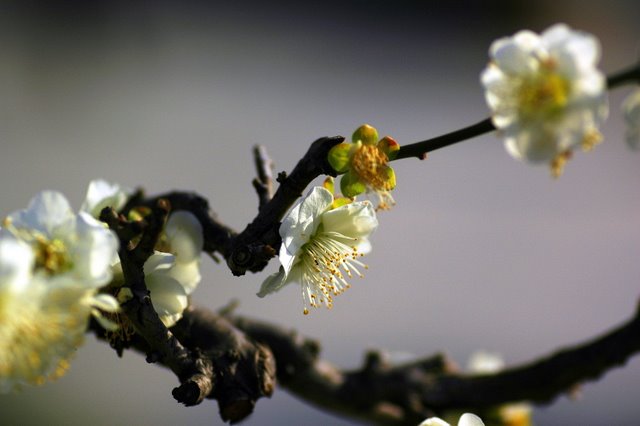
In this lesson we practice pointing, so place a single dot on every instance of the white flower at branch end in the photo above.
(467, 419)
(321, 247)
(631, 110)
(52, 264)
(101, 194)
(546, 94)
(173, 271)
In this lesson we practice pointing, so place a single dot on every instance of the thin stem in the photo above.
(630, 75)
(419, 149)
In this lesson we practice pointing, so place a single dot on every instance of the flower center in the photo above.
(51, 255)
(370, 164)
(544, 94)
(326, 259)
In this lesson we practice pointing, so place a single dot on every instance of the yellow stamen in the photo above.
(370, 163)
(591, 138)
(327, 258)
(558, 163)
(544, 94)
(51, 255)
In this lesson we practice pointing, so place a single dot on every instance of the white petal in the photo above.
(357, 219)
(468, 419)
(105, 302)
(556, 35)
(16, 262)
(104, 322)
(302, 221)
(184, 233)
(534, 144)
(515, 55)
(94, 251)
(434, 421)
(158, 261)
(101, 194)
(168, 297)
(187, 274)
(273, 283)
(287, 259)
(46, 212)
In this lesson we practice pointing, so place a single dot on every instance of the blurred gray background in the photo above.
(481, 252)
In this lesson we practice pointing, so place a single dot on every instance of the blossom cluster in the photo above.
(52, 264)
(59, 268)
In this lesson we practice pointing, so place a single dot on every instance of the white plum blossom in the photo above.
(631, 110)
(101, 194)
(546, 94)
(173, 271)
(71, 249)
(52, 264)
(321, 247)
(467, 419)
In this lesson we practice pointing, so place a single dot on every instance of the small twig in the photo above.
(630, 75)
(252, 249)
(263, 184)
(420, 149)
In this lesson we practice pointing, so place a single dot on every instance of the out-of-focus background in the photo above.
(481, 252)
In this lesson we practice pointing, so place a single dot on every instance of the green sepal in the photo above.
(328, 184)
(389, 146)
(340, 201)
(339, 157)
(367, 134)
(390, 181)
(351, 185)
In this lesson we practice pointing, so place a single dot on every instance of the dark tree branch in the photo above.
(228, 367)
(160, 344)
(217, 237)
(243, 370)
(542, 380)
(406, 394)
(263, 184)
(209, 356)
